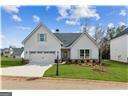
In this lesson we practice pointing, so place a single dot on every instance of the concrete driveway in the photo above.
(29, 70)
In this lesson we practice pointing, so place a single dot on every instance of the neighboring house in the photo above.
(6, 52)
(42, 46)
(119, 47)
(17, 52)
(12, 52)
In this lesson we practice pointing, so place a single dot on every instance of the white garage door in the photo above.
(42, 58)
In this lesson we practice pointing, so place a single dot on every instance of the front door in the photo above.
(65, 53)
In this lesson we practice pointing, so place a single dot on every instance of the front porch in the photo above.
(65, 54)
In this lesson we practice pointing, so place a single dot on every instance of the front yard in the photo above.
(115, 71)
(8, 61)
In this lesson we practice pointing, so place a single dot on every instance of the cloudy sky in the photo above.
(19, 21)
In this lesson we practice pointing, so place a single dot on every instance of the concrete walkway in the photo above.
(29, 70)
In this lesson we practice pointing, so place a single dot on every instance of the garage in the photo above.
(43, 57)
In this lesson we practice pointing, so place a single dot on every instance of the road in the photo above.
(58, 84)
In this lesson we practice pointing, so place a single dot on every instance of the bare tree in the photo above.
(109, 34)
(105, 48)
(99, 35)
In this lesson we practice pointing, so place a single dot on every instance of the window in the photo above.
(39, 52)
(42, 37)
(84, 53)
(32, 52)
(87, 53)
(49, 52)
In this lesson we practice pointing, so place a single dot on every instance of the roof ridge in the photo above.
(125, 31)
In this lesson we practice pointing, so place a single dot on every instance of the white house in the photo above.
(12, 52)
(119, 47)
(42, 46)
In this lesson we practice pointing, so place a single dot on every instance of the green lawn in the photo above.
(7, 62)
(115, 71)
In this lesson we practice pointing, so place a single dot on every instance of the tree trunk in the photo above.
(100, 55)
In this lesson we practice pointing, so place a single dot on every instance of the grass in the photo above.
(8, 62)
(116, 71)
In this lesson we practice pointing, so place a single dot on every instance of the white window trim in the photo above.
(80, 54)
(84, 53)
(40, 37)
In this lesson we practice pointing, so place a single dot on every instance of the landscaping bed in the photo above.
(115, 71)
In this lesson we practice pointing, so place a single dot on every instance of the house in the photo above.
(12, 52)
(17, 52)
(43, 46)
(119, 47)
(6, 52)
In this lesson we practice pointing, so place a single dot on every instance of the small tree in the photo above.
(99, 35)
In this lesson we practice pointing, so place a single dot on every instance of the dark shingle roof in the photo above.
(122, 33)
(67, 38)
(17, 51)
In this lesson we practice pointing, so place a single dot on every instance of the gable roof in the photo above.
(33, 31)
(17, 51)
(38, 26)
(85, 33)
(122, 33)
(70, 38)
(67, 38)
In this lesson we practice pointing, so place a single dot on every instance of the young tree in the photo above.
(99, 35)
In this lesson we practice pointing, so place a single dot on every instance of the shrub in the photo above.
(24, 61)
(82, 61)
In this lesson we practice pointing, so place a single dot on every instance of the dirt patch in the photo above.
(45, 83)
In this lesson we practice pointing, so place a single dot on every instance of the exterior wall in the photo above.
(22, 55)
(127, 47)
(119, 49)
(7, 53)
(33, 43)
(16, 56)
(84, 43)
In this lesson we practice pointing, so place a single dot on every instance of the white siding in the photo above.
(33, 44)
(127, 47)
(119, 48)
(84, 43)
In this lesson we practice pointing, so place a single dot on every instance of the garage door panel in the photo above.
(42, 58)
